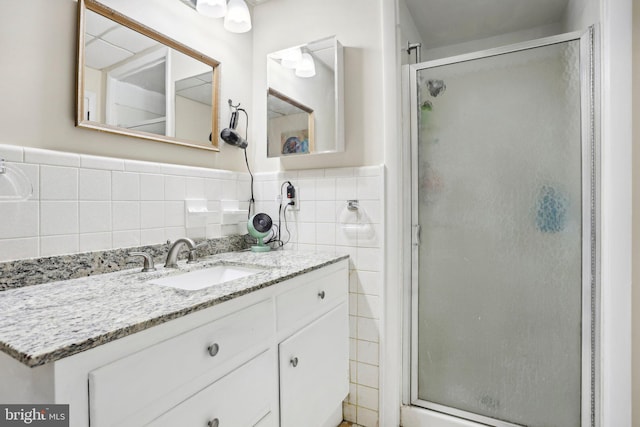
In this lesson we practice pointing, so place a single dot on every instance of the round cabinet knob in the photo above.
(213, 423)
(294, 361)
(213, 349)
(321, 294)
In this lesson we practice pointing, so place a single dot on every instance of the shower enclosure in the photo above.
(504, 287)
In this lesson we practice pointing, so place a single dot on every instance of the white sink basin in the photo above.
(205, 278)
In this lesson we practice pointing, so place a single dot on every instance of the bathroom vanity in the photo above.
(270, 349)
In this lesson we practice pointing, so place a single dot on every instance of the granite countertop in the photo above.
(44, 323)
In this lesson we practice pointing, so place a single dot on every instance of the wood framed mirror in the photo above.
(132, 80)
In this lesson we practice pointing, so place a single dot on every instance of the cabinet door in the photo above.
(314, 370)
(242, 398)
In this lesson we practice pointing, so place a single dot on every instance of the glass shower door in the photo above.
(498, 207)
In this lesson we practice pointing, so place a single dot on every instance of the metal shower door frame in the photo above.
(590, 154)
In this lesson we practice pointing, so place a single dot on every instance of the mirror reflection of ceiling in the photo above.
(108, 43)
(279, 108)
(151, 78)
(445, 22)
(196, 88)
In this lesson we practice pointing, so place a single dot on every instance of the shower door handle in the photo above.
(417, 231)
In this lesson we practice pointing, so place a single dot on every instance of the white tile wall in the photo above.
(126, 216)
(125, 186)
(95, 241)
(39, 156)
(58, 183)
(324, 223)
(87, 203)
(95, 217)
(151, 187)
(19, 219)
(94, 184)
(58, 217)
(174, 188)
(96, 162)
(53, 245)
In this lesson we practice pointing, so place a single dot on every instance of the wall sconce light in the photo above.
(237, 18)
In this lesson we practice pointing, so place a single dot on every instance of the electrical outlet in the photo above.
(292, 198)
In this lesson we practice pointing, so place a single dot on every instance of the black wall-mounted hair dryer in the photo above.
(230, 135)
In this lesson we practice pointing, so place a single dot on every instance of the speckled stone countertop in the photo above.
(44, 323)
(35, 271)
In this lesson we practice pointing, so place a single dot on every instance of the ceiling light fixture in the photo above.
(238, 18)
(212, 8)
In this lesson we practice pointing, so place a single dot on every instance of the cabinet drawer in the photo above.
(241, 398)
(311, 299)
(128, 385)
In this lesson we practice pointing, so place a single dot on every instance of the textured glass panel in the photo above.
(500, 260)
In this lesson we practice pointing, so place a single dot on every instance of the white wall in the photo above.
(580, 14)
(492, 42)
(635, 403)
(38, 82)
(407, 33)
(356, 24)
(396, 267)
(616, 212)
(619, 333)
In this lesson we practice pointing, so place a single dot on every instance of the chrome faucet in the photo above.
(174, 250)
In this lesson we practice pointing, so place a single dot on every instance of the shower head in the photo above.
(436, 87)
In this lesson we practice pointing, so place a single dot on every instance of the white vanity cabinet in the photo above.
(229, 365)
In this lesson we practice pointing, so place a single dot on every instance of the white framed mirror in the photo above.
(132, 80)
(305, 97)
